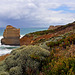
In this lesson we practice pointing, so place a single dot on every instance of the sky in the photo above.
(36, 13)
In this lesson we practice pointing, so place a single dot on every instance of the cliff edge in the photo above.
(41, 36)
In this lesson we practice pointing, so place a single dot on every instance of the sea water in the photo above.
(6, 49)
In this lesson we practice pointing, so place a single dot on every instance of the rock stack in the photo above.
(11, 36)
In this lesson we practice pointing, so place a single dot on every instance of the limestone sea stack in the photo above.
(11, 36)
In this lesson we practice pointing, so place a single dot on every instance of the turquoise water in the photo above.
(24, 31)
(1, 31)
(29, 30)
(5, 49)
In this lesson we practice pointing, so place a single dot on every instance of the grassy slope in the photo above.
(35, 37)
(62, 59)
(51, 31)
(62, 48)
(62, 51)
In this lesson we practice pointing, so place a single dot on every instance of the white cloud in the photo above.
(38, 11)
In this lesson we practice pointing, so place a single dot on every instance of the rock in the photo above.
(11, 36)
(26, 40)
(53, 27)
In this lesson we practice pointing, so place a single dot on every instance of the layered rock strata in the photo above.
(11, 36)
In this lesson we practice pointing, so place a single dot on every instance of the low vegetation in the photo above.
(24, 60)
(51, 56)
(51, 31)
(65, 41)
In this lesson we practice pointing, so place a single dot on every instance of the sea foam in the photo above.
(6, 49)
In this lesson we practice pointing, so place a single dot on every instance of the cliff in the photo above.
(54, 27)
(11, 36)
(40, 36)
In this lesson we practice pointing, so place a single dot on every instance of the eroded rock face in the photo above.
(53, 27)
(11, 36)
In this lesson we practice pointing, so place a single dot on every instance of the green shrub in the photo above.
(25, 57)
(2, 66)
(10, 62)
(67, 41)
(64, 66)
(43, 45)
(15, 70)
(4, 73)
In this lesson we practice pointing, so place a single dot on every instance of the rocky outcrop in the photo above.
(53, 27)
(26, 40)
(11, 36)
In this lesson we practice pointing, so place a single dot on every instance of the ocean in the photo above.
(6, 49)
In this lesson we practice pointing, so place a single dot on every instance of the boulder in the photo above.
(11, 36)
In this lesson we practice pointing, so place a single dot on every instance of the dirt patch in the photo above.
(3, 57)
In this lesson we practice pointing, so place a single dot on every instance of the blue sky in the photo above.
(65, 9)
(36, 13)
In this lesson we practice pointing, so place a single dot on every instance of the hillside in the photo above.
(49, 52)
(33, 38)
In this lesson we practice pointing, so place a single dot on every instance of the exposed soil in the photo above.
(3, 57)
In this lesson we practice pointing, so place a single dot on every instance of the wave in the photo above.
(6, 49)
(21, 36)
(0, 39)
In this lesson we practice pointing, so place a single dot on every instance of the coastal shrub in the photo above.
(2, 66)
(51, 42)
(65, 41)
(64, 66)
(43, 32)
(15, 71)
(4, 73)
(25, 57)
(38, 33)
(41, 40)
(10, 62)
(54, 43)
(43, 45)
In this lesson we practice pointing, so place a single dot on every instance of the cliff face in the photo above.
(26, 40)
(53, 27)
(11, 36)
